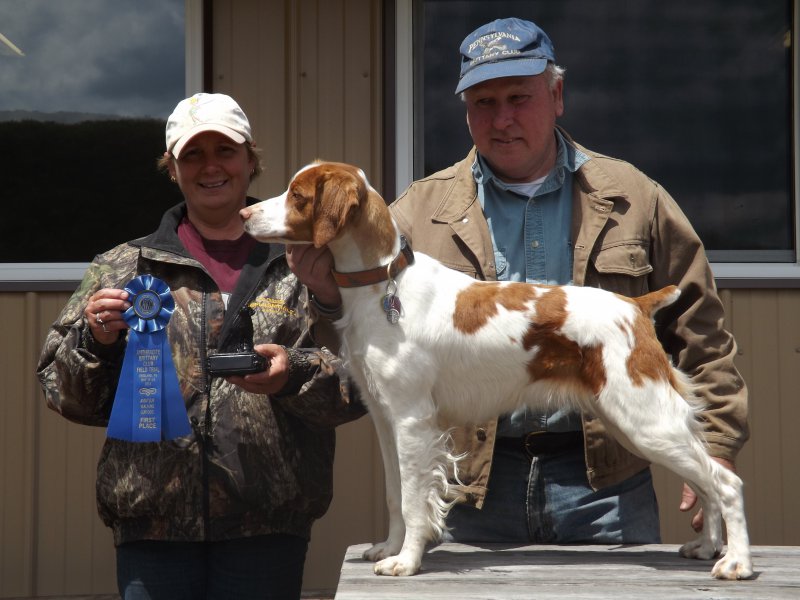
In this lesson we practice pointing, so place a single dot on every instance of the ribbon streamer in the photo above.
(148, 406)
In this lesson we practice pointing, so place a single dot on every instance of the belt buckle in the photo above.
(528, 440)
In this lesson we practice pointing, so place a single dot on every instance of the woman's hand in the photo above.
(272, 379)
(103, 314)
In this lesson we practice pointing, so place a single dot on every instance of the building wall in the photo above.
(308, 73)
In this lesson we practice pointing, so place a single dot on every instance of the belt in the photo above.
(538, 443)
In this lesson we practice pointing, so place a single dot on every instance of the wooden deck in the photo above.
(503, 572)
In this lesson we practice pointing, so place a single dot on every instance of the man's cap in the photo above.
(504, 48)
(206, 112)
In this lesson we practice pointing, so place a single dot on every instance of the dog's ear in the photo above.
(337, 202)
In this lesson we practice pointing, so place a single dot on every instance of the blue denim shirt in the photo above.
(531, 240)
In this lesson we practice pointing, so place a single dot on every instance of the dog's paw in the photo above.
(397, 566)
(701, 549)
(732, 566)
(380, 551)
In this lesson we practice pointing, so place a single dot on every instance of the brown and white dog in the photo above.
(424, 341)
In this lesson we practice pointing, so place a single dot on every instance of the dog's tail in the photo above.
(651, 303)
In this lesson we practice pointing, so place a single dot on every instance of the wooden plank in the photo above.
(504, 572)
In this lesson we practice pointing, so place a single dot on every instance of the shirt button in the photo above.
(535, 244)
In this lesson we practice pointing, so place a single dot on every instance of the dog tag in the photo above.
(386, 303)
(392, 308)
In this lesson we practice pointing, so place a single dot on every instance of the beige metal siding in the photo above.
(308, 75)
(51, 540)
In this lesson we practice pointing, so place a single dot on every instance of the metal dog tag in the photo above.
(392, 308)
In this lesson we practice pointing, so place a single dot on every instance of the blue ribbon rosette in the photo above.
(148, 406)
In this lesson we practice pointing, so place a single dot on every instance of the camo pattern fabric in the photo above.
(252, 464)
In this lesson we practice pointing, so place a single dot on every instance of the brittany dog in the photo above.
(424, 341)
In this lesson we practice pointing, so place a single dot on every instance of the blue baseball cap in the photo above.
(503, 48)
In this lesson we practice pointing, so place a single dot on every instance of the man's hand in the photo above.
(313, 266)
(689, 498)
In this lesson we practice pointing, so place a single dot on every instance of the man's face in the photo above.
(512, 121)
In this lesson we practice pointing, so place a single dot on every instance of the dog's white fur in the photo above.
(469, 351)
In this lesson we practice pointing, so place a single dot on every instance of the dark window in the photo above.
(87, 86)
(698, 95)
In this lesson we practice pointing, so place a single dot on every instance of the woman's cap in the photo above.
(206, 112)
(503, 48)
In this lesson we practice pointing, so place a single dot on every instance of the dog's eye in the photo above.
(299, 200)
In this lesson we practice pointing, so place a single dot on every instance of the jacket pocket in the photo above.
(624, 258)
(621, 268)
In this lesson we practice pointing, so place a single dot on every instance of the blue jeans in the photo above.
(261, 567)
(548, 500)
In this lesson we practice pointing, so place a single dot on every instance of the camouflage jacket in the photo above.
(253, 464)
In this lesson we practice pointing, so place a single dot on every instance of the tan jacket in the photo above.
(629, 237)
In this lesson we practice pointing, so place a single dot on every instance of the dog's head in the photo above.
(322, 198)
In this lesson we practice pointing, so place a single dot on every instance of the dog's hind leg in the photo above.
(737, 562)
(667, 433)
(720, 490)
(386, 439)
(422, 455)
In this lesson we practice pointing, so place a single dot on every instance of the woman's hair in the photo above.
(253, 153)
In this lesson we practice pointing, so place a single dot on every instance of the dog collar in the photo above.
(378, 274)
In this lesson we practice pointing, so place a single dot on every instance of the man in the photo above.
(530, 204)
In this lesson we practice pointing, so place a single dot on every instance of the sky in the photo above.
(106, 57)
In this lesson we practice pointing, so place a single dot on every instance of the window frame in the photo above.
(65, 276)
(727, 274)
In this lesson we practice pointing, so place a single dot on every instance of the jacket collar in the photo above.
(462, 194)
(591, 176)
(165, 239)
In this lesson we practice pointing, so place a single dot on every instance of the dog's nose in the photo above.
(245, 213)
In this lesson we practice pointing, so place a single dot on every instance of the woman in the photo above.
(225, 511)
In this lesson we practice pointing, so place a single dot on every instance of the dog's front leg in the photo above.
(397, 530)
(422, 456)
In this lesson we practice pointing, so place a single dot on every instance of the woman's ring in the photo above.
(98, 319)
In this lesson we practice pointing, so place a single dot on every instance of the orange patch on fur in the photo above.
(478, 303)
(557, 356)
(647, 358)
(326, 197)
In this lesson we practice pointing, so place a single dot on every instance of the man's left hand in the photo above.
(689, 498)
(313, 267)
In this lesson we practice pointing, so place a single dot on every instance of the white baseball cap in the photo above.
(206, 112)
